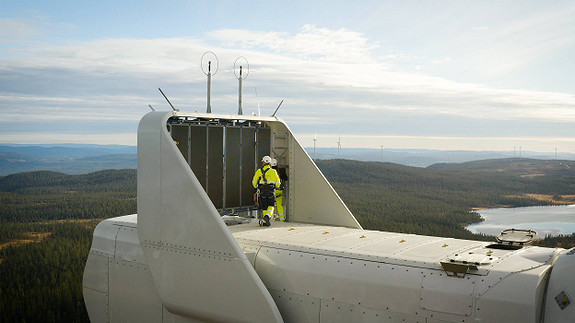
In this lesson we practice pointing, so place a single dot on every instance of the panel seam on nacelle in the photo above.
(189, 251)
(373, 261)
(95, 290)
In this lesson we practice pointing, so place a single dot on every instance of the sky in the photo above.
(447, 75)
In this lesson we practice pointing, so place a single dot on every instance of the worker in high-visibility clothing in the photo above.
(266, 181)
(279, 193)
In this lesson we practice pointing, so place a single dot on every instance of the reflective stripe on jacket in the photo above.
(270, 177)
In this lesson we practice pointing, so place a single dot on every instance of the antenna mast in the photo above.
(240, 78)
(165, 97)
(240, 94)
(209, 74)
(209, 108)
(276, 111)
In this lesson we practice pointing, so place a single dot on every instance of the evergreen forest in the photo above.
(47, 218)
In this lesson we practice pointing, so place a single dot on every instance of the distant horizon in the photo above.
(517, 151)
(81, 158)
(367, 141)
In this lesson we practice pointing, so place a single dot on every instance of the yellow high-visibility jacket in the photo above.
(271, 177)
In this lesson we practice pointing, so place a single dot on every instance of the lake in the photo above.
(552, 220)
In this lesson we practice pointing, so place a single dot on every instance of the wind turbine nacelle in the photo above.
(182, 259)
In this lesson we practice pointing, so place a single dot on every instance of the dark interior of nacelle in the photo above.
(223, 154)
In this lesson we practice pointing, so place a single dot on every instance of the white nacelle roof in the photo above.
(385, 247)
(394, 248)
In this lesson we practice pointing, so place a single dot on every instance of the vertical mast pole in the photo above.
(240, 76)
(240, 112)
(209, 108)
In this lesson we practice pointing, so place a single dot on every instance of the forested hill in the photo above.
(67, 158)
(109, 180)
(433, 201)
(42, 261)
(46, 195)
(501, 176)
(383, 196)
(510, 165)
(556, 177)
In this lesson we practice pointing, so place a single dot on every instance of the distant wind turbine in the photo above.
(338, 145)
(314, 140)
(258, 101)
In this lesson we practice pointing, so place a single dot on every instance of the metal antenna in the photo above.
(151, 107)
(209, 108)
(279, 105)
(240, 112)
(240, 78)
(209, 74)
(165, 97)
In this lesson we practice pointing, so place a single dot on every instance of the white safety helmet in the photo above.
(267, 160)
(274, 162)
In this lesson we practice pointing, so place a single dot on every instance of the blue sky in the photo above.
(476, 75)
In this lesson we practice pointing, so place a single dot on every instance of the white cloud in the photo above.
(327, 77)
(513, 44)
(12, 29)
(73, 108)
(311, 43)
(31, 31)
(113, 56)
(68, 137)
